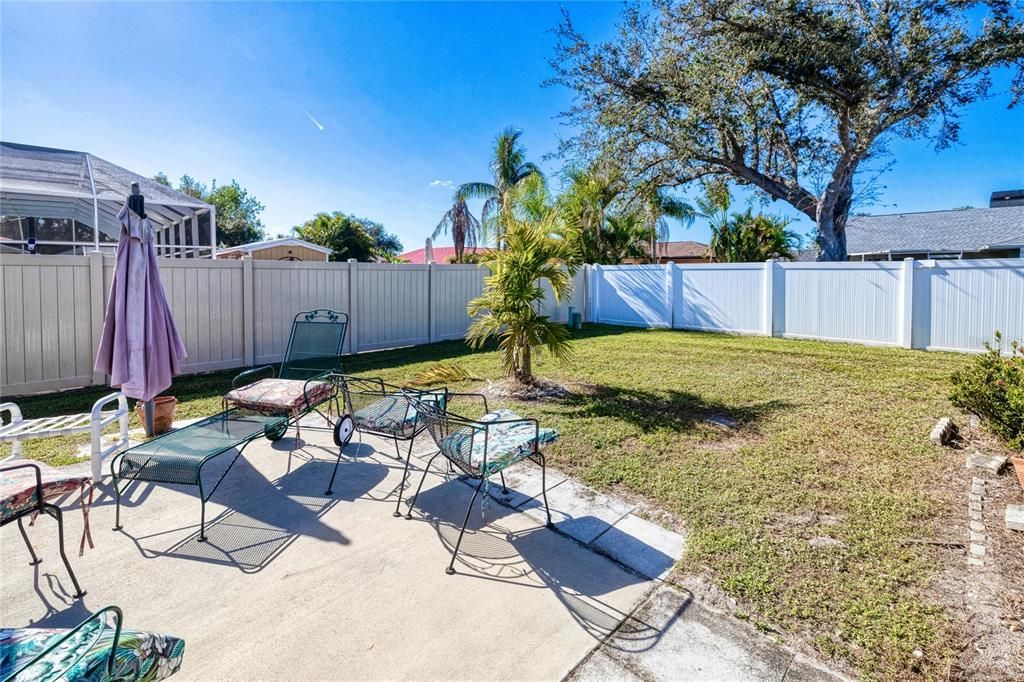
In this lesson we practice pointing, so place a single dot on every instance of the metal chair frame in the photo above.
(445, 419)
(288, 370)
(375, 388)
(42, 506)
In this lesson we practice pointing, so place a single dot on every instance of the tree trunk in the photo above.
(831, 239)
(525, 365)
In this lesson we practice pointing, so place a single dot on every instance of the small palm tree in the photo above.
(744, 237)
(463, 224)
(509, 167)
(509, 307)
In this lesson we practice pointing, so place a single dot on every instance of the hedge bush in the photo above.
(992, 387)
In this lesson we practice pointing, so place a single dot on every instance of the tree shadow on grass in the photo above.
(672, 410)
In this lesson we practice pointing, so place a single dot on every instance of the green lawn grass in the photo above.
(758, 445)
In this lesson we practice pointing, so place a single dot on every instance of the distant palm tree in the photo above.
(585, 204)
(463, 224)
(509, 167)
(744, 237)
(657, 206)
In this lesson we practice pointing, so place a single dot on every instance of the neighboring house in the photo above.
(442, 254)
(994, 232)
(58, 201)
(288, 248)
(679, 252)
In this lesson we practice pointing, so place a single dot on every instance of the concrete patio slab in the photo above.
(292, 584)
(580, 512)
(645, 547)
(694, 643)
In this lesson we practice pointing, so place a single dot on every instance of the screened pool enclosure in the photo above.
(55, 201)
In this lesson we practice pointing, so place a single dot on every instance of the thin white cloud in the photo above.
(442, 183)
(315, 122)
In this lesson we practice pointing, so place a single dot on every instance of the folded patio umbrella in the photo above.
(140, 348)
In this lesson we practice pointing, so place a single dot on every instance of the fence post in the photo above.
(431, 332)
(96, 308)
(670, 273)
(595, 295)
(586, 293)
(353, 301)
(768, 303)
(248, 312)
(906, 318)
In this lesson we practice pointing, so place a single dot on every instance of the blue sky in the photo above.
(368, 108)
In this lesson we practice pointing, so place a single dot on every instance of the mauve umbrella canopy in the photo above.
(140, 348)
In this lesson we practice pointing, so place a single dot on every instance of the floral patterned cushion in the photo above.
(18, 487)
(280, 395)
(506, 444)
(140, 656)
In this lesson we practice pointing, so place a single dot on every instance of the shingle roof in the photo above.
(969, 229)
(442, 254)
(684, 249)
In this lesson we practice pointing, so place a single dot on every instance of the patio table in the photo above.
(180, 456)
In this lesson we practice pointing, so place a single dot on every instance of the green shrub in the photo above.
(992, 387)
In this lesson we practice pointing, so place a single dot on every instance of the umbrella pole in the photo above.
(147, 412)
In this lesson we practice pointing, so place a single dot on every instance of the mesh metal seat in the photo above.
(385, 410)
(481, 447)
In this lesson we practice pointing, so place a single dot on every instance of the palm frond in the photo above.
(443, 373)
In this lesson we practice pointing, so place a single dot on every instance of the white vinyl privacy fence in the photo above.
(952, 305)
(230, 313)
(238, 313)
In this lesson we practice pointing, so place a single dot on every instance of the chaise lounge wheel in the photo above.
(275, 432)
(343, 430)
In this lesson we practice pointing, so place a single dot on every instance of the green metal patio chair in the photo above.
(25, 489)
(480, 448)
(382, 409)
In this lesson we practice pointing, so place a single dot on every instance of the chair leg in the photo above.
(28, 543)
(504, 488)
(117, 504)
(202, 511)
(412, 502)
(55, 512)
(330, 486)
(405, 477)
(398, 450)
(469, 510)
(544, 489)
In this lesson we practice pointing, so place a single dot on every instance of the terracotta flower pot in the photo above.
(1018, 466)
(163, 413)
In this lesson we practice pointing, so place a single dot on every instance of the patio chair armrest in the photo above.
(55, 645)
(237, 381)
(119, 398)
(318, 379)
(39, 476)
(13, 410)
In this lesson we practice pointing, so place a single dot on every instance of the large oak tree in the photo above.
(789, 97)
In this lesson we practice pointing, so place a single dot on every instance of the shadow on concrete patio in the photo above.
(263, 517)
(529, 558)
